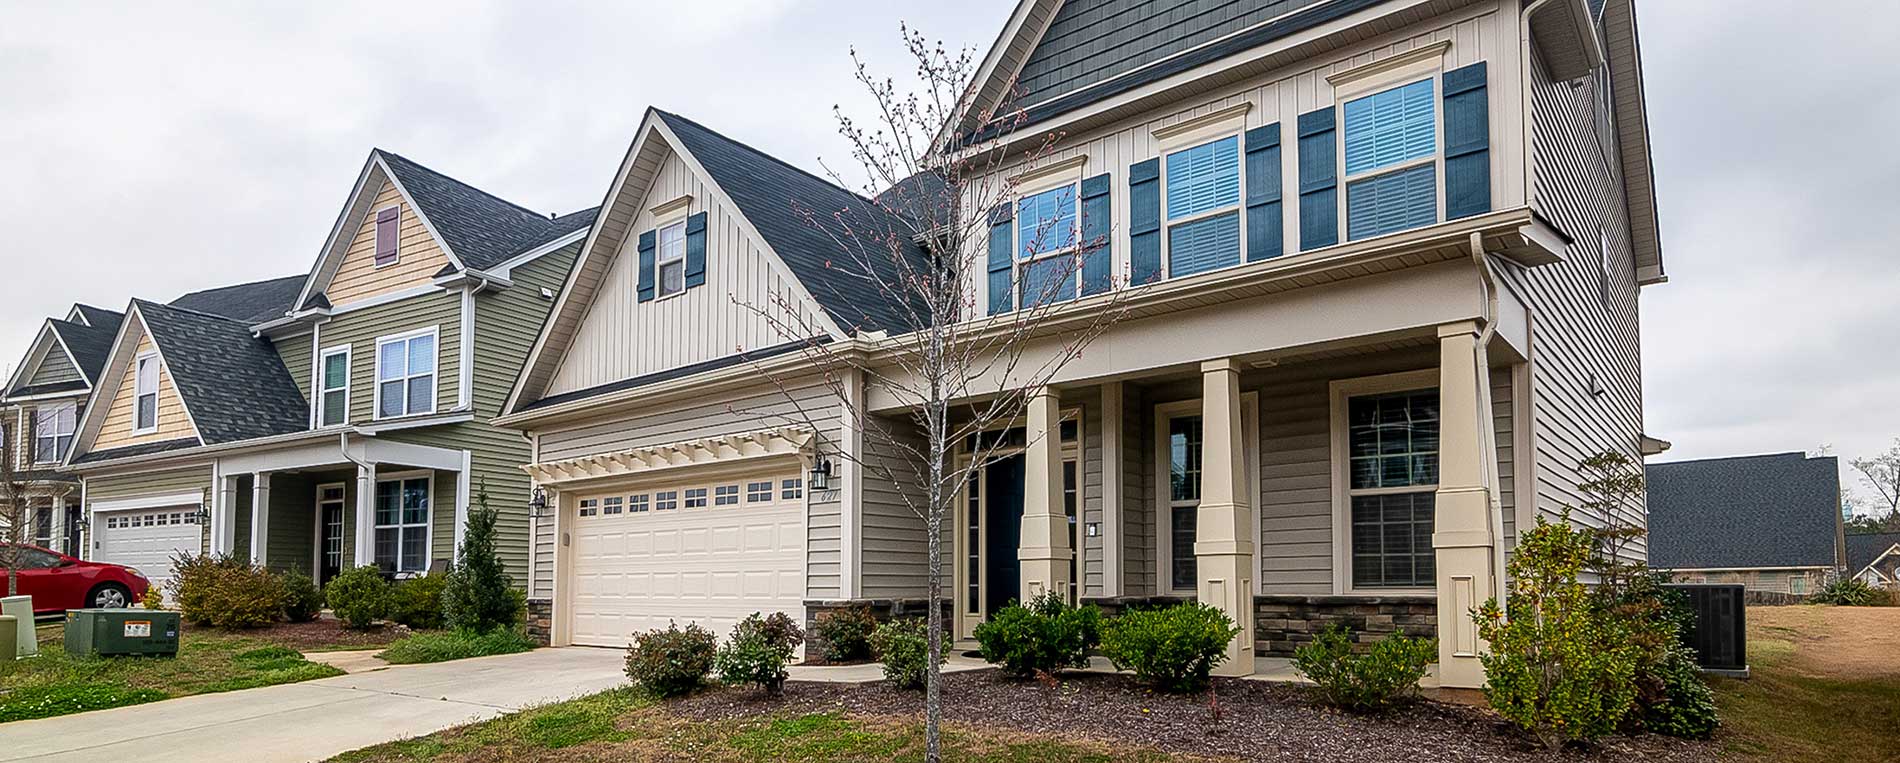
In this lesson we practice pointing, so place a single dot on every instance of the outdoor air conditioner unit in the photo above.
(108, 632)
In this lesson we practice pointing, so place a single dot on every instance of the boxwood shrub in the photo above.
(903, 647)
(1173, 648)
(673, 661)
(1044, 637)
(1382, 676)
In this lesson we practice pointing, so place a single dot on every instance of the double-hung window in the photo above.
(1046, 236)
(405, 374)
(1391, 159)
(1202, 184)
(1392, 483)
(402, 524)
(333, 387)
(53, 431)
(145, 405)
(670, 259)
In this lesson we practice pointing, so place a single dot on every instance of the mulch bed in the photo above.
(1256, 720)
(326, 633)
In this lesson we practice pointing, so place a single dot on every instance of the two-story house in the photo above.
(337, 418)
(1380, 261)
(39, 412)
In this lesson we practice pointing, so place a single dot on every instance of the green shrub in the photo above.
(1044, 637)
(758, 650)
(225, 591)
(303, 601)
(904, 648)
(358, 596)
(1375, 680)
(671, 662)
(442, 646)
(480, 595)
(1559, 665)
(845, 634)
(1687, 705)
(417, 602)
(154, 599)
(1846, 592)
(1172, 648)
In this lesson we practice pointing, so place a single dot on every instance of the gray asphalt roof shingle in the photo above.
(1746, 512)
(253, 303)
(89, 345)
(234, 384)
(774, 196)
(99, 317)
(129, 451)
(1864, 548)
(482, 229)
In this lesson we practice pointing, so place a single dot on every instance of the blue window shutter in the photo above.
(1467, 142)
(1319, 181)
(1097, 259)
(1391, 202)
(646, 266)
(1002, 268)
(696, 250)
(1144, 222)
(1206, 244)
(1264, 219)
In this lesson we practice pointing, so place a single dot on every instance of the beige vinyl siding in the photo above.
(1089, 484)
(894, 555)
(418, 255)
(55, 368)
(754, 409)
(1574, 334)
(177, 480)
(1482, 33)
(621, 338)
(1138, 489)
(116, 430)
(295, 352)
(360, 329)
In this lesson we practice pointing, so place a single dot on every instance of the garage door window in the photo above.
(637, 503)
(402, 525)
(792, 489)
(612, 504)
(726, 495)
(758, 492)
(666, 500)
(589, 507)
(696, 498)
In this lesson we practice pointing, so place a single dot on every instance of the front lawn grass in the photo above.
(442, 646)
(208, 661)
(623, 724)
(1817, 690)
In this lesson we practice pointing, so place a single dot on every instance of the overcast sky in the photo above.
(156, 148)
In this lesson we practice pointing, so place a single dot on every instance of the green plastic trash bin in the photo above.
(108, 632)
(9, 637)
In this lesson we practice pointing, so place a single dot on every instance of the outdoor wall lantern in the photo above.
(538, 505)
(204, 509)
(821, 474)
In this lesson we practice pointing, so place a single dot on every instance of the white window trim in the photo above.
(427, 524)
(1070, 173)
(374, 265)
(1341, 391)
(324, 356)
(1163, 505)
(59, 453)
(674, 215)
(138, 377)
(1229, 122)
(1427, 63)
(435, 402)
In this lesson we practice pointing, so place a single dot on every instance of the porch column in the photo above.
(224, 515)
(1223, 529)
(365, 515)
(1044, 550)
(260, 515)
(1462, 531)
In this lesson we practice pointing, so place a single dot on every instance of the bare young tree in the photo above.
(13, 511)
(906, 250)
(1881, 472)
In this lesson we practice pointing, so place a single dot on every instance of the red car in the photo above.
(58, 582)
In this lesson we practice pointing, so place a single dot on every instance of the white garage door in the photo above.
(147, 539)
(709, 552)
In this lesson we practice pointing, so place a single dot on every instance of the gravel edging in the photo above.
(1256, 720)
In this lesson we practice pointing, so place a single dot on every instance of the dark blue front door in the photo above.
(1003, 530)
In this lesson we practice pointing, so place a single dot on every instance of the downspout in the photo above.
(343, 446)
(1488, 429)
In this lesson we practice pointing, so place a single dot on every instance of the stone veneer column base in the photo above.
(1282, 622)
(541, 620)
(884, 610)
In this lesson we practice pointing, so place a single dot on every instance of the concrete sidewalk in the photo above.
(314, 720)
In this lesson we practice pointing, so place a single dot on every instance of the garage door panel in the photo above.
(643, 569)
(147, 539)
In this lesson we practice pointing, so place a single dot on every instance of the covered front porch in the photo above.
(318, 509)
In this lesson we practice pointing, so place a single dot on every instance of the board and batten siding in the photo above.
(1479, 33)
(55, 368)
(621, 337)
(1586, 310)
(295, 352)
(748, 410)
(116, 430)
(360, 329)
(418, 255)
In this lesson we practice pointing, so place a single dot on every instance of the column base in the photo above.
(1041, 575)
(1465, 580)
(1227, 583)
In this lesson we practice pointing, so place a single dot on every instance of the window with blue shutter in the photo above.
(1467, 142)
(1144, 222)
(1265, 225)
(646, 249)
(1002, 266)
(1203, 190)
(1045, 222)
(1319, 180)
(1391, 151)
(696, 250)
(1097, 264)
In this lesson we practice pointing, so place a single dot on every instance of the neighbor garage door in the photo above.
(703, 551)
(147, 539)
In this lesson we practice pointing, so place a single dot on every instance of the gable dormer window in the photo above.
(145, 404)
(670, 259)
(53, 431)
(388, 222)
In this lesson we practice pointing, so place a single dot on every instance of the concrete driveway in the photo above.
(314, 720)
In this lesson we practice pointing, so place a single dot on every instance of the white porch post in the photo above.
(365, 515)
(1223, 534)
(224, 515)
(1044, 550)
(260, 515)
(1462, 532)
